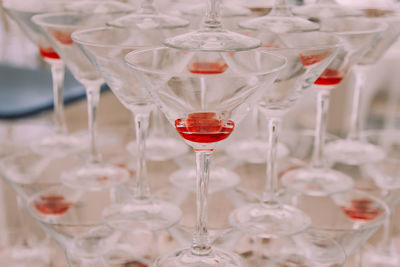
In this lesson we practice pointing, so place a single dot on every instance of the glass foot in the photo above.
(280, 24)
(58, 145)
(215, 41)
(94, 177)
(160, 149)
(352, 152)
(254, 151)
(185, 258)
(378, 257)
(149, 21)
(317, 182)
(269, 222)
(75, 261)
(152, 215)
(221, 179)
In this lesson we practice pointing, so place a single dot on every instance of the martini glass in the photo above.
(280, 20)
(212, 36)
(385, 174)
(60, 142)
(182, 83)
(308, 54)
(317, 178)
(349, 218)
(94, 174)
(106, 48)
(353, 150)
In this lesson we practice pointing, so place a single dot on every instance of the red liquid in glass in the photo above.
(308, 60)
(208, 67)
(204, 127)
(48, 52)
(52, 205)
(63, 37)
(361, 209)
(329, 77)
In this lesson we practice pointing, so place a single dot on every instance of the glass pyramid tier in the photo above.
(182, 83)
(106, 48)
(95, 174)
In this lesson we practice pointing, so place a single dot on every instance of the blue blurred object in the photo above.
(25, 92)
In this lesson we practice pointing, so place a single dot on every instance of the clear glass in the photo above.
(174, 78)
(308, 54)
(94, 174)
(212, 36)
(106, 48)
(60, 142)
(317, 178)
(280, 20)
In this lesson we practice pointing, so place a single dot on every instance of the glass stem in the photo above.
(147, 7)
(141, 126)
(93, 97)
(320, 128)
(200, 243)
(280, 8)
(212, 19)
(57, 74)
(271, 185)
(355, 122)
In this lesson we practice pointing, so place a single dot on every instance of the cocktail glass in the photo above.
(308, 54)
(183, 84)
(353, 150)
(359, 34)
(57, 27)
(212, 36)
(59, 142)
(106, 48)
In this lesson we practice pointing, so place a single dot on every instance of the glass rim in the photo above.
(77, 37)
(142, 69)
(379, 26)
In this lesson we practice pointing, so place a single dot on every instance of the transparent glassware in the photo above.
(212, 36)
(148, 17)
(58, 142)
(75, 261)
(280, 20)
(73, 219)
(308, 54)
(106, 48)
(349, 218)
(182, 84)
(352, 150)
(385, 174)
(95, 174)
(359, 35)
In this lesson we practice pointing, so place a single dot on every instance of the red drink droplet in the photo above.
(63, 37)
(208, 67)
(308, 60)
(48, 52)
(204, 127)
(52, 205)
(329, 77)
(362, 209)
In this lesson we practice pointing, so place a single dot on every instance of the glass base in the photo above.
(378, 257)
(94, 177)
(59, 145)
(317, 182)
(212, 41)
(254, 151)
(76, 261)
(280, 24)
(221, 179)
(160, 149)
(152, 215)
(269, 222)
(353, 152)
(149, 21)
(185, 258)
